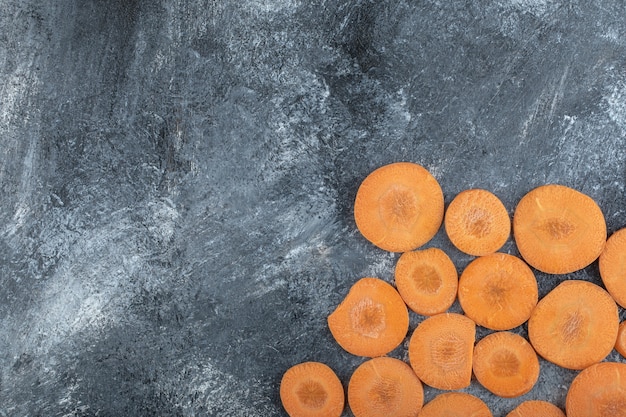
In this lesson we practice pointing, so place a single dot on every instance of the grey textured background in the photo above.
(178, 177)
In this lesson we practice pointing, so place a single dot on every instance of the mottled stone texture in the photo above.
(177, 177)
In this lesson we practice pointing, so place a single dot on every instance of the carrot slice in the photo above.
(311, 389)
(612, 265)
(536, 408)
(384, 386)
(506, 364)
(427, 280)
(440, 351)
(558, 230)
(455, 404)
(477, 222)
(575, 325)
(498, 291)
(598, 391)
(372, 320)
(399, 207)
(620, 343)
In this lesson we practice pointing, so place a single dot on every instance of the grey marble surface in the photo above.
(178, 177)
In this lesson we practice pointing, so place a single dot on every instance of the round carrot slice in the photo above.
(383, 387)
(498, 291)
(506, 364)
(558, 230)
(575, 325)
(455, 404)
(372, 320)
(536, 408)
(477, 222)
(598, 391)
(612, 265)
(311, 389)
(440, 351)
(427, 281)
(399, 207)
(620, 344)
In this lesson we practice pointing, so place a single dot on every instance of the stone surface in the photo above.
(178, 177)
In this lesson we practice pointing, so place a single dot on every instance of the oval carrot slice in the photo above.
(558, 230)
(372, 320)
(575, 325)
(477, 222)
(536, 408)
(498, 291)
(311, 389)
(440, 351)
(612, 265)
(598, 391)
(456, 404)
(620, 343)
(383, 387)
(506, 364)
(399, 207)
(427, 281)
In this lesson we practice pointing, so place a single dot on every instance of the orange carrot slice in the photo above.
(536, 408)
(506, 364)
(575, 325)
(399, 207)
(383, 387)
(311, 389)
(427, 281)
(598, 391)
(612, 264)
(440, 351)
(456, 404)
(620, 343)
(372, 320)
(477, 222)
(498, 291)
(558, 230)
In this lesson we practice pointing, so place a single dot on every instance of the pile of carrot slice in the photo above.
(557, 230)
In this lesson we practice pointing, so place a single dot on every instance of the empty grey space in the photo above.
(178, 177)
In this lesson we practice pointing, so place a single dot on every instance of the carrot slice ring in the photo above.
(536, 408)
(311, 389)
(558, 230)
(372, 320)
(441, 349)
(427, 281)
(498, 291)
(457, 404)
(384, 386)
(612, 265)
(598, 391)
(506, 364)
(399, 207)
(575, 325)
(477, 222)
